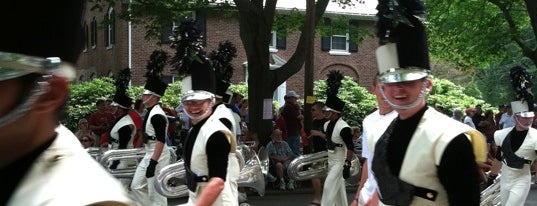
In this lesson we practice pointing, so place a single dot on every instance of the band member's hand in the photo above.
(114, 164)
(347, 169)
(150, 171)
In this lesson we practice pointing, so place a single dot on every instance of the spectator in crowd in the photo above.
(356, 139)
(101, 120)
(498, 116)
(292, 118)
(236, 99)
(457, 114)
(280, 155)
(478, 115)
(488, 126)
(140, 108)
(468, 118)
(507, 119)
(87, 141)
(83, 130)
(42, 162)
(318, 144)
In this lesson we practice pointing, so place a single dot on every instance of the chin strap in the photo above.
(423, 91)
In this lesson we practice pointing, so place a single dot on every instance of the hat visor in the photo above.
(14, 65)
(197, 95)
(395, 75)
(328, 109)
(525, 114)
(146, 91)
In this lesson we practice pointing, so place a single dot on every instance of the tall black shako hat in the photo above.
(333, 83)
(521, 81)
(221, 61)
(121, 99)
(48, 29)
(198, 78)
(403, 54)
(154, 85)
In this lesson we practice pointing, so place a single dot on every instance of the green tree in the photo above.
(256, 21)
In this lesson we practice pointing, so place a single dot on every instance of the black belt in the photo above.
(527, 161)
(338, 145)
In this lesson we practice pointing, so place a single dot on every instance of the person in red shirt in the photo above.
(101, 120)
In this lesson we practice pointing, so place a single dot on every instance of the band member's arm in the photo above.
(458, 172)
(346, 135)
(159, 124)
(124, 136)
(317, 133)
(218, 149)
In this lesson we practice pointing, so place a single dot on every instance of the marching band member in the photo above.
(339, 144)
(423, 157)
(209, 150)
(154, 131)
(517, 145)
(41, 161)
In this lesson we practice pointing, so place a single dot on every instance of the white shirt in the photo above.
(370, 123)
(468, 121)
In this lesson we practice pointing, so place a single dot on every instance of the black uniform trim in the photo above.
(159, 125)
(218, 149)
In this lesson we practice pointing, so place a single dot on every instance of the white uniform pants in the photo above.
(143, 189)
(334, 192)
(514, 185)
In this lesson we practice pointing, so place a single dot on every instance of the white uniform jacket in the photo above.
(528, 147)
(199, 165)
(334, 183)
(65, 174)
(424, 153)
(124, 121)
(222, 111)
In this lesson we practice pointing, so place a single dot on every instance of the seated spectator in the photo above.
(83, 130)
(87, 141)
(280, 155)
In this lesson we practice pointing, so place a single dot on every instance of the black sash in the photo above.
(329, 130)
(394, 191)
(509, 156)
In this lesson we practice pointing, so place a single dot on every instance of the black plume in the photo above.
(521, 81)
(392, 13)
(221, 60)
(122, 80)
(155, 65)
(187, 42)
(333, 83)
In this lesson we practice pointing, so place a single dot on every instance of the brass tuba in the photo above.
(171, 180)
(315, 165)
(128, 157)
(491, 195)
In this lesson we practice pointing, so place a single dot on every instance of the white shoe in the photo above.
(291, 185)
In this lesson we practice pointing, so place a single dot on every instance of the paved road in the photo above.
(303, 195)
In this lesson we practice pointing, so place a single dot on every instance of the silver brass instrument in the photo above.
(129, 157)
(315, 165)
(171, 180)
(491, 195)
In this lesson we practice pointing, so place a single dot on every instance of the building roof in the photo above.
(361, 8)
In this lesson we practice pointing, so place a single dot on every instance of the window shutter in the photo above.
(325, 40)
(281, 43)
(353, 46)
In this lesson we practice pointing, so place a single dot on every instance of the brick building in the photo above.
(118, 45)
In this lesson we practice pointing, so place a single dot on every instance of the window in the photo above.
(276, 43)
(110, 30)
(338, 40)
(93, 33)
(86, 37)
